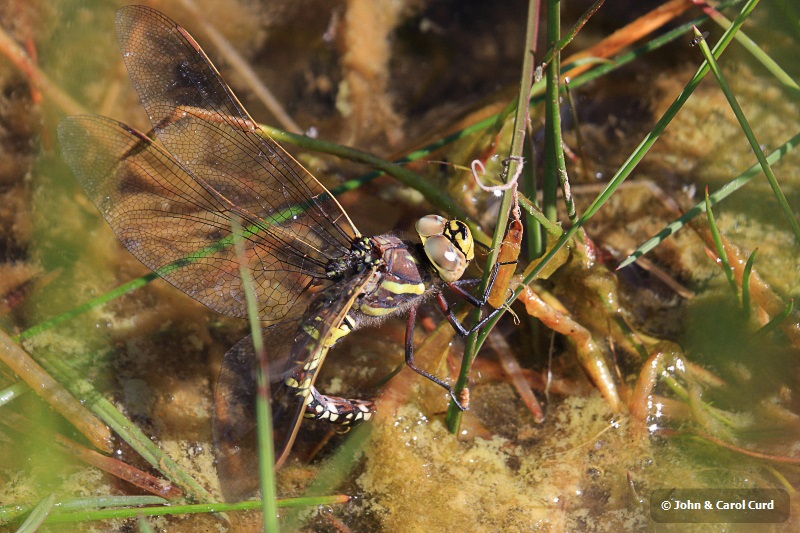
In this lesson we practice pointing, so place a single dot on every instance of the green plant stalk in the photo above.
(533, 216)
(111, 514)
(266, 452)
(759, 54)
(720, 249)
(748, 268)
(534, 227)
(552, 119)
(767, 328)
(751, 138)
(627, 167)
(554, 151)
(723, 192)
(14, 391)
(38, 515)
(453, 417)
(10, 512)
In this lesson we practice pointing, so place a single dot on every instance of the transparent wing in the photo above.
(181, 227)
(234, 403)
(234, 411)
(203, 125)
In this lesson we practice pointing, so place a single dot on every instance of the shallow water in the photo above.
(155, 353)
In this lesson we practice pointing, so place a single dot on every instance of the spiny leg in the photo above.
(410, 325)
(444, 306)
(455, 286)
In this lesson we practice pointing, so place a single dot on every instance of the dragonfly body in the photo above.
(316, 278)
(392, 278)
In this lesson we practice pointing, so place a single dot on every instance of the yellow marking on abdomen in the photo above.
(311, 331)
(335, 334)
(311, 365)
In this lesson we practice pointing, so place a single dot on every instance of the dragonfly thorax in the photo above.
(400, 278)
(360, 256)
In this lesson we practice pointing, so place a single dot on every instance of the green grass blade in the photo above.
(554, 166)
(767, 328)
(10, 512)
(751, 138)
(723, 192)
(266, 453)
(748, 268)
(533, 225)
(633, 160)
(762, 57)
(549, 180)
(111, 514)
(720, 249)
(453, 417)
(38, 515)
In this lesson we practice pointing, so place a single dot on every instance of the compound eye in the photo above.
(459, 234)
(448, 260)
(430, 225)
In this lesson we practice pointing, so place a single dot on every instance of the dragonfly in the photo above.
(315, 276)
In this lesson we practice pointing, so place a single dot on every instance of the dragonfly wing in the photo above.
(177, 227)
(234, 412)
(204, 126)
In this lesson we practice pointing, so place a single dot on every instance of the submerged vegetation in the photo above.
(640, 197)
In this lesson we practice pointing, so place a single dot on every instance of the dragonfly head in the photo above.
(448, 245)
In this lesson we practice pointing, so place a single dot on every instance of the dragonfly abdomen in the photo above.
(338, 410)
(310, 348)
(327, 320)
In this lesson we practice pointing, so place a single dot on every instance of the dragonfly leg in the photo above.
(338, 410)
(410, 324)
(455, 286)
